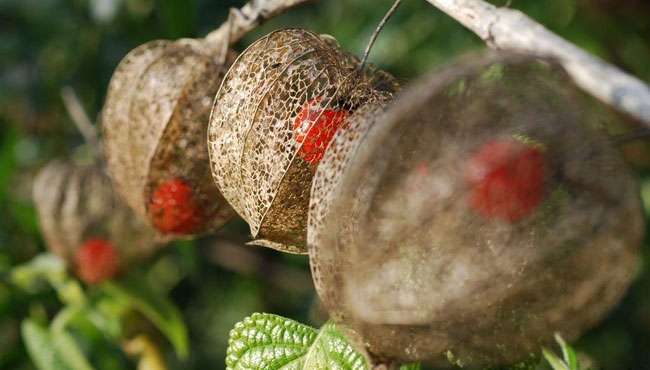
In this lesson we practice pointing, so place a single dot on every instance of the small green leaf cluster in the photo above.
(569, 359)
(52, 344)
(52, 348)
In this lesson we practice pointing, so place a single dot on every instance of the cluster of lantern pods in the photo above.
(477, 211)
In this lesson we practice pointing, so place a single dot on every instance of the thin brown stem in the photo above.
(79, 116)
(375, 34)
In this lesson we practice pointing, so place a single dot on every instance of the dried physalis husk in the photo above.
(278, 108)
(155, 121)
(484, 211)
(77, 210)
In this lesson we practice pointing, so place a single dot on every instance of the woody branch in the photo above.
(509, 29)
(241, 21)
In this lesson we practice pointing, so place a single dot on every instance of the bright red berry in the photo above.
(97, 260)
(173, 208)
(506, 179)
(315, 128)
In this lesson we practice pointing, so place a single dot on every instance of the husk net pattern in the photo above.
(274, 115)
(405, 251)
(328, 176)
(155, 122)
(76, 203)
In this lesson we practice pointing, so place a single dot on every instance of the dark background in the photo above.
(48, 44)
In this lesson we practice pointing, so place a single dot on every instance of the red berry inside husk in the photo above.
(97, 260)
(506, 179)
(173, 208)
(315, 128)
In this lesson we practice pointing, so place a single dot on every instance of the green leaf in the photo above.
(52, 349)
(415, 366)
(266, 341)
(568, 353)
(569, 360)
(155, 306)
(331, 350)
(44, 267)
(69, 350)
(271, 342)
(40, 347)
(555, 362)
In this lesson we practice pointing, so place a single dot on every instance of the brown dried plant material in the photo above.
(484, 211)
(76, 205)
(155, 120)
(278, 108)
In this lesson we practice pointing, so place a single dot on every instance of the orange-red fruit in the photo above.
(173, 208)
(315, 129)
(506, 179)
(97, 260)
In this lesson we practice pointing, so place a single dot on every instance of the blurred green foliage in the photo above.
(48, 44)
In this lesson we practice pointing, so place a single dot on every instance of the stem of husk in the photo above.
(375, 34)
(80, 118)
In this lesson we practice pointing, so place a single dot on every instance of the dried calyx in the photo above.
(155, 121)
(279, 106)
(484, 211)
(84, 221)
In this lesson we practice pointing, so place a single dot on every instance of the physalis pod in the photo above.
(277, 110)
(484, 211)
(85, 222)
(155, 121)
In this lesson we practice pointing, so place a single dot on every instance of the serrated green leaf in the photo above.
(270, 342)
(331, 350)
(155, 306)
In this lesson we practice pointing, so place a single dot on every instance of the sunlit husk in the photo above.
(398, 254)
(155, 121)
(252, 141)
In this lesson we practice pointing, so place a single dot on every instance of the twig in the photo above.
(79, 116)
(241, 21)
(225, 46)
(380, 26)
(509, 29)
